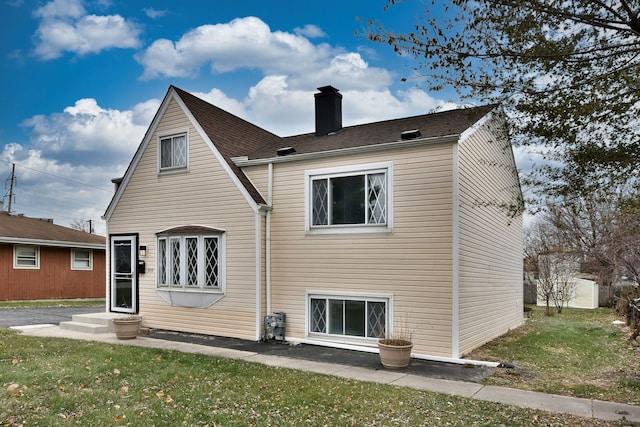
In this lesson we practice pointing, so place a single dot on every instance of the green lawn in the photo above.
(576, 353)
(52, 381)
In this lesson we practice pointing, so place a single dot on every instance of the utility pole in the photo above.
(90, 226)
(12, 180)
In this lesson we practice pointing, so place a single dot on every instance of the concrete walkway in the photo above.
(587, 408)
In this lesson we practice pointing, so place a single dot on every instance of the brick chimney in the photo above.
(328, 110)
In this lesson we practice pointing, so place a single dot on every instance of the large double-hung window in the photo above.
(191, 262)
(355, 198)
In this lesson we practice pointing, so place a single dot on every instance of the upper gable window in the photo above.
(26, 257)
(351, 199)
(173, 151)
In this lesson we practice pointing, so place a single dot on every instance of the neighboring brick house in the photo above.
(41, 260)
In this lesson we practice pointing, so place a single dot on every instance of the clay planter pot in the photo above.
(126, 329)
(395, 353)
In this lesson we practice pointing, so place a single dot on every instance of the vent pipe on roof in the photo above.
(328, 110)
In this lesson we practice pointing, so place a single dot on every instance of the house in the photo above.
(346, 233)
(42, 260)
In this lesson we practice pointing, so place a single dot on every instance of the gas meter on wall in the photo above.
(274, 326)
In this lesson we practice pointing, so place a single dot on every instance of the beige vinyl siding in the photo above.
(413, 264)
(205, 195)
(490, 243)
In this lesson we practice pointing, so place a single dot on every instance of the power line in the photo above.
(57, 176)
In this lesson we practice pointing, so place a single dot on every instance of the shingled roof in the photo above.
(234, 137)
(231, 135)
(21, 229)
(446, 123)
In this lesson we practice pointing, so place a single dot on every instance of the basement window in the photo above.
(342, 316)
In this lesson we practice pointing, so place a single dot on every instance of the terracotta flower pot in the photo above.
(395, 353)
(126, 329)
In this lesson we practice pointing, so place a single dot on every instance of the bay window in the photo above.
(190, 262)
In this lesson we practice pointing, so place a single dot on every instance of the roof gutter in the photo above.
(54, 243)
(243, 161)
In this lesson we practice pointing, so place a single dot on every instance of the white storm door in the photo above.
(124, 281)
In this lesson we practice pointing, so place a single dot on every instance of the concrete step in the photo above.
(96, 323)
(89, 328)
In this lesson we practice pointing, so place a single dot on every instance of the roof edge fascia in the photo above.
(478, 124)
(244, 161)
(56, 243)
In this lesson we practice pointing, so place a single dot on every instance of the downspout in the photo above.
(258, 275)
(455, 276)
(268, 236)
(107, 265)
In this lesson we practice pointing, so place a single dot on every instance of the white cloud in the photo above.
(86, 133)
(47, 188)
(310, 31)
(59, 9)
(66, 27)
(221, 100)
(154, 13)
(66, 171)
(249, 43)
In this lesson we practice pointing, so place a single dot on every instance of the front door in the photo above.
(124, 280)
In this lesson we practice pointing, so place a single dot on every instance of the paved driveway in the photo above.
(37, 316)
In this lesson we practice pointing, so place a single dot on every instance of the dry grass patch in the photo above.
(577, 353)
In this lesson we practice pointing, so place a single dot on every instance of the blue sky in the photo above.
(83, 79)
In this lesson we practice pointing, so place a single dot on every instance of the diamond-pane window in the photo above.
(162, 262)
(353, 317)
(192, 261)
(377, 198)
(318, 315)
(376, 319)
(348, 199)
(175, 264)
(173, 152)
(211, 262)
(320, 202)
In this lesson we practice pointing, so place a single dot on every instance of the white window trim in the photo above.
(358, 296)
(183, 287)
(309, 175)
(167, 134)
(26, 267)
(73, 259)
